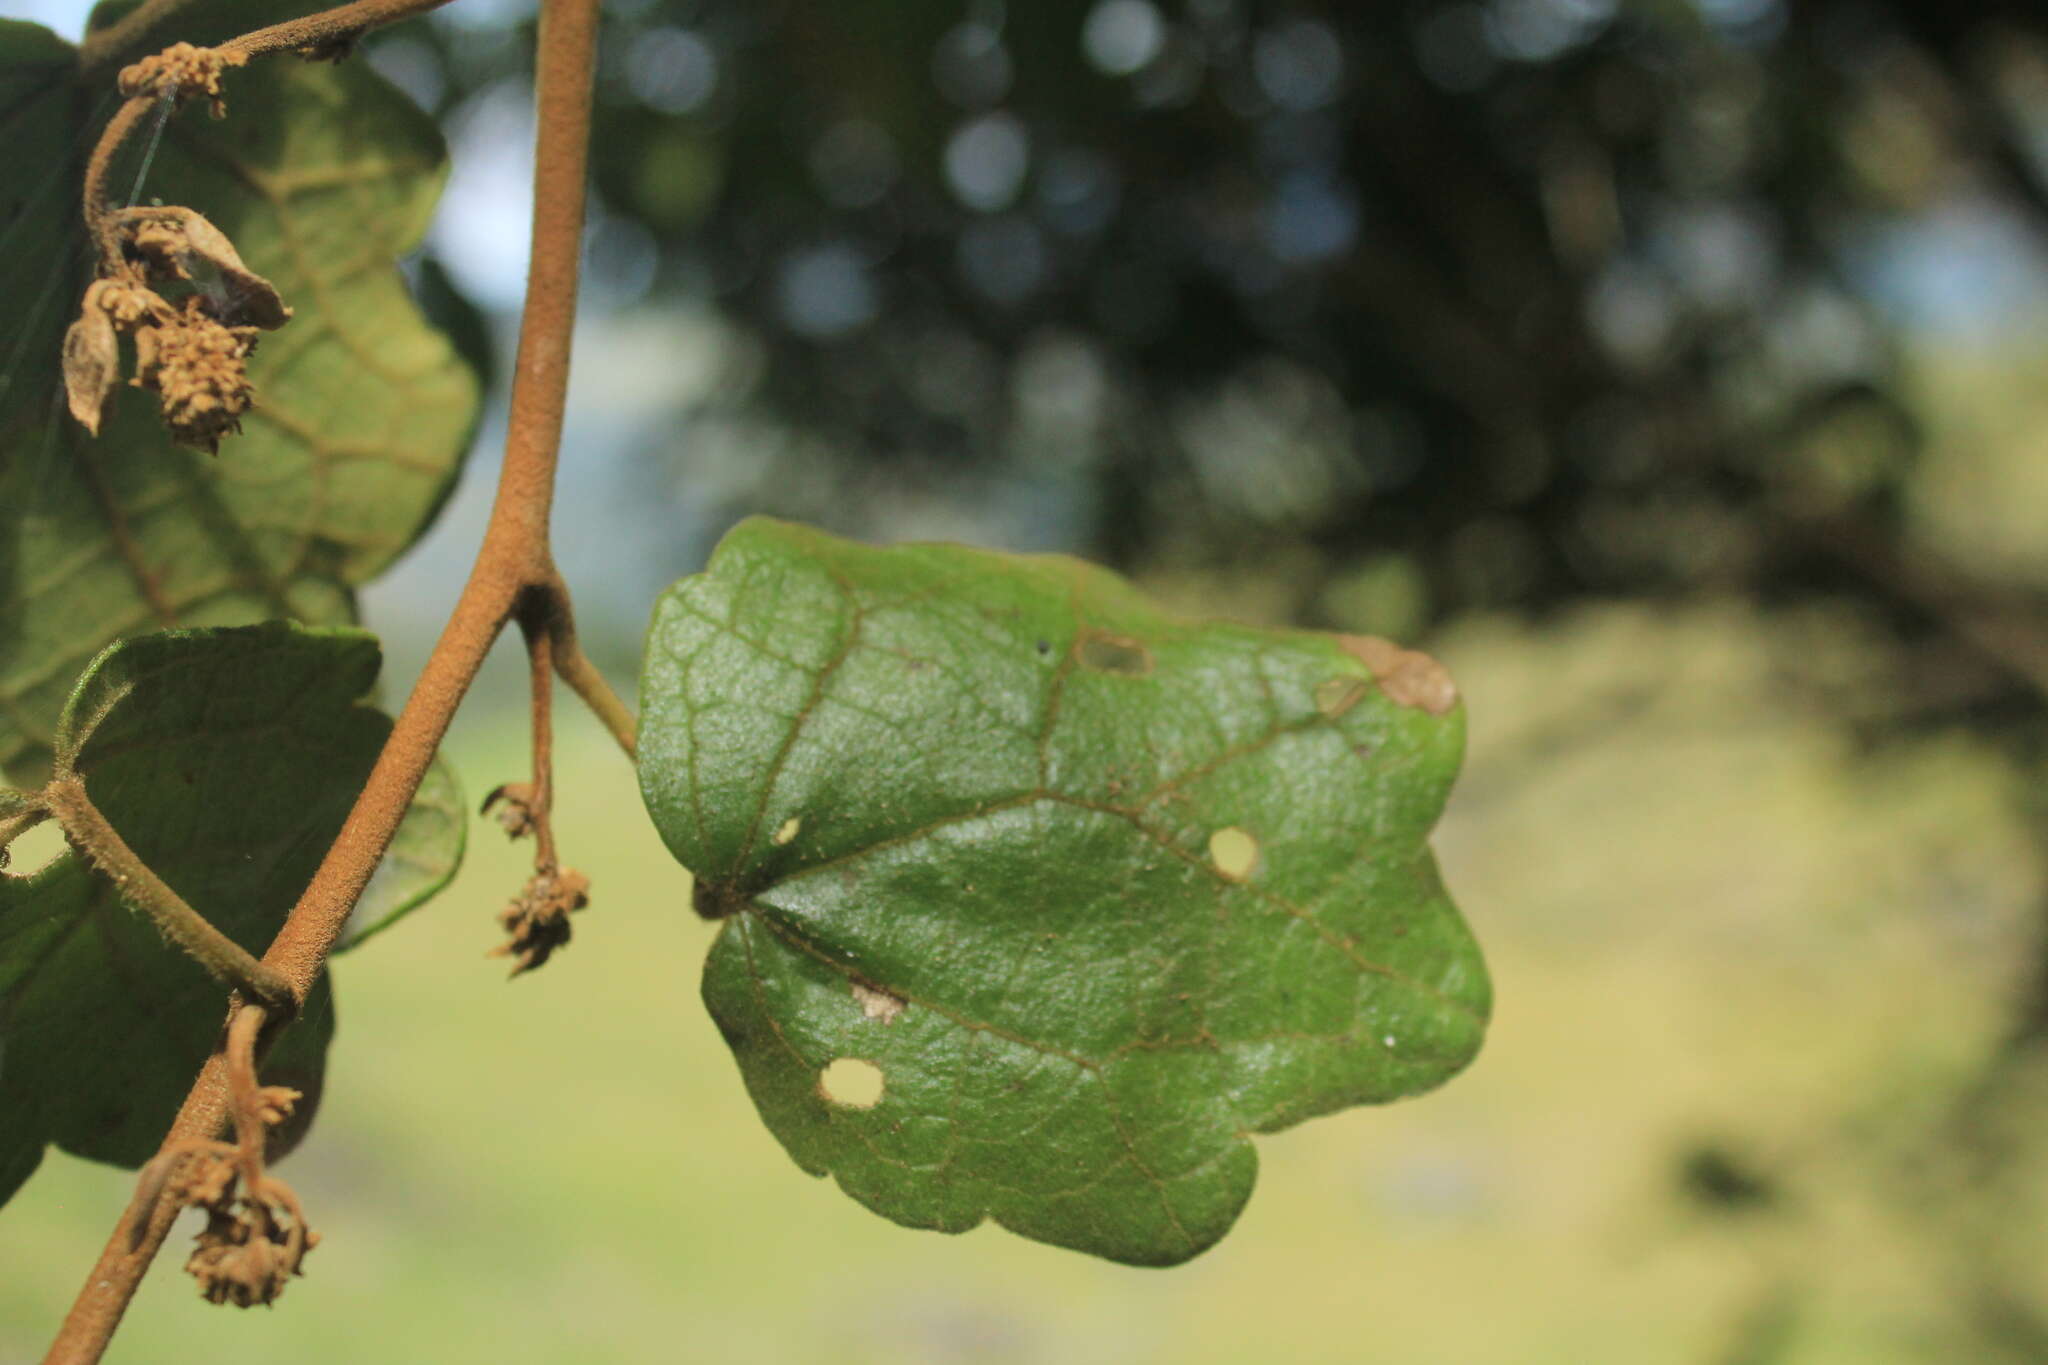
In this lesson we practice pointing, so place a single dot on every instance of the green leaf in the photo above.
(422, 860)
(323, 176)
(1100, 891)
(227, 759)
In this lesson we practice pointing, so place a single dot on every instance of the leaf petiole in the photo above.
(234, 966)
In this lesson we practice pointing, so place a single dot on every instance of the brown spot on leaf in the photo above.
(1408, 676)
(1106, 653)
(878, 1005)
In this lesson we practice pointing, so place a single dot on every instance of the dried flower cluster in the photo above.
(180, 72)
(255, 1238)
(538, 919)
(193, 355)
(247, 1256)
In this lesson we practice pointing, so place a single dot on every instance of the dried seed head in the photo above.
(199, 368)
(182, 71)
(538, 921)
(249, 1257)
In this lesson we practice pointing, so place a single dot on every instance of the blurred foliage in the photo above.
(1541, 295)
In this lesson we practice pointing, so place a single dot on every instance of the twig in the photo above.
(329, 28)
(584, 679)
(540, 801)
(513, 560)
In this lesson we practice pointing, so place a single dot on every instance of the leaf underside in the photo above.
(1100, 891)
(227, 759)
(323, 176)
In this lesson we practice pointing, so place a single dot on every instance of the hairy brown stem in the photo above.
(541, 678)
(228, 961)
(342, 24)
(584, 679)
(513, 561)
(245, 1030)
(99, 210)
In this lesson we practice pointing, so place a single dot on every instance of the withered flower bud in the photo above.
(182, 71)
(538, 921)
(514, 803)
(178, 243)
(199, 369)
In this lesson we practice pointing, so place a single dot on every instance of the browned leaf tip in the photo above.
(538, 921)
(182, 71)
(1407, 676)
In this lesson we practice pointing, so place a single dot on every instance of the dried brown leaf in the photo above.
(174, 239)
(92, 362)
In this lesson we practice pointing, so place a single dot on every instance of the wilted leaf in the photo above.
(227, 759)
(191, 248)
(1099, 891)
(322, 176)
(92, 356)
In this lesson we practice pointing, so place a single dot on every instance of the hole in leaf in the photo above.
(34, 848)
(1335, 696)
(1114, 654)
(851, 1083)
(787, 830)
(1235, 853)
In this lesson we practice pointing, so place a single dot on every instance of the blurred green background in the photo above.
(1673, 371)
